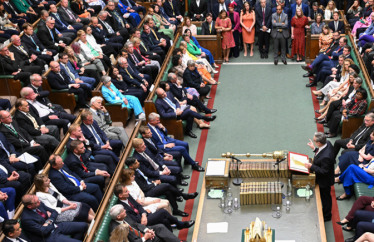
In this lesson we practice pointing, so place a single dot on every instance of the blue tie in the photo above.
(37, 47)
(97, 136)
(142, 174)
(162, 136)
(170, 103)
(58, 18)
(53, 38)
(71, 177)
(58, 32)
(3, 147)
(129, 4)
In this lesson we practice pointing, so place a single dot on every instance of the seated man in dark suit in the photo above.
(15, 16)
(197, 10)
(134, 7)
(9, 66)
(48, 36)
(48, 114)
(118, 22)
(62, 25)
(146, 51)
(13, 232)
(20, 139)
(171, 9)
(160, 134)
(48, 136)
(152, 40)
(102, 37)
(208, 26)
(139, 215)
(70, 17)
(168, 107)
(39, 222)
(154, 188)
(5, 104)
(314, 11)
(33, 44)
(154, 167)
(72, 186)
(156, 232)
(112, 26)
(59, 80)
(156, 33)
(79, 162)
(93, 151)
(336, 25)
(97, 136)
(9, 177)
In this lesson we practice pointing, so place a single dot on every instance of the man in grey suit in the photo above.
(280, 33)
(102, 117)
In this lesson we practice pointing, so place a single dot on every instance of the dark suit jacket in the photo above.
(150, 41)
(135, 81)
(139, 57)
(104, 27)
(8, 146)
(191, 79)
(169, 11)
(63, 14)
(22, 236)
(332, 47)
(15, 139)
(90, 136)
(75, 165)
(19, 56)
(43, 98)
(259, 18)
(312, 15)
(157, 139)
(340, 27)
(8, 66)
(145, 50)
(130, 212)
(56, 82)
(142, 183)
(146, 167)
(45, 37)
(131, 236)
(9, 168)
(364, 138)
(179, 93)
(156, 151)
(62, 183)
(99, 34)
(27, 124)
(59, 24)
(240, 4)
(205, 28)
(366, 12)
(27, 42)
(112, 21)
(323, 166)
(215, 10)
(32, 222)
(164, 109)
(10, 10)
(194, 9)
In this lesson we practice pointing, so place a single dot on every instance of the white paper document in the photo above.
(216, 168)
(217, 227)
(27, 158)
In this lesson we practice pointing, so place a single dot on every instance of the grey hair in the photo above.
(49, 19)
(153, 116)
(128, 43)
(25, 91)
(370, 115)
(190, 63)
(115, 211)
(2, 46)
(121, 60)
(358, 80)
(171, 76)
(105, 79)
(12, 38)
(115, 1)
(94, 99)
(102, 13)
(281, 1)
(320, 137)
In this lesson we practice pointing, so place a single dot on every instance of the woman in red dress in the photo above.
(223, 23)
(298, 25)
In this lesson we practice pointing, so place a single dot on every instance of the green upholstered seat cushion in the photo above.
(198, 30)
(361, 189)
(103, 233)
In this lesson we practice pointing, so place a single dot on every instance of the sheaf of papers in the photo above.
(217, 227)
(216, 168)
(27, 158)
(298, 161)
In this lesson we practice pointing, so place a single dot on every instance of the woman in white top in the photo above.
(342, 83)
(150, 204)
(75, 51)
(68, 210)
(188, 56)
(188, 25)
(330, 9)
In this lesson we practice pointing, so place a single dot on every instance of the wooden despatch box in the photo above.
(217, 181)
(301, 180)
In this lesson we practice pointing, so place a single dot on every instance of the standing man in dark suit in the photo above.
(12, 231)
(263, 24)
(208, 26)
(323, 166)
(219, 6)
(19, 138)
(314, 11)
(49, 37)
(197, 10)
(337, 25)
(139, 215)
(39, 221)
(9, 66)
(280, 33)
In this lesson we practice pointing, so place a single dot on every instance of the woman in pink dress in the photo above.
(223, 24)
(298, 24)
(366, 23)
(248, 21)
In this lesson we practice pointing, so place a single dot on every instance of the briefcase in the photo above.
(217, 181)
(301, 180)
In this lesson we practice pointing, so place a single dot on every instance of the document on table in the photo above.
(27, 158)
(217, 227)
(216, 168)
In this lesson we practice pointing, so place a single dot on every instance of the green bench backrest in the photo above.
(103, 233)
(198, 30)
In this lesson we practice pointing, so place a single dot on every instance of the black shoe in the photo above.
(186, 225)
(307, 74)
(323, 121)
(275, 62)
(317, 119)
(326, 125)
(317, 111)
(312, 84)
(212, 111)
(306, 68)
(181, 189)
(262, 56)
(180, 213)
(331, 136)
(198, 168)
(183, 183)
(284, 62)
(209, 118)
(190, 195)
(327, 132)
(179, 199)
(192, 135)
(266, 55)
(320, 97)
(185, 176)
(350, 239)
(197, 163)
(345, 228)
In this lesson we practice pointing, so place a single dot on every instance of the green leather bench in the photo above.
(361, 189)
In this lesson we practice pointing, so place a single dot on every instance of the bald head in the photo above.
(5, 117)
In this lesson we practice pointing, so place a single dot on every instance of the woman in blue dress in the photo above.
(363, 156)
(207, 52)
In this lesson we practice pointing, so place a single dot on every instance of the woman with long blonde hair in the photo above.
(120, 233)
(330, 9)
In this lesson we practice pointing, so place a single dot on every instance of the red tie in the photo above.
(315, 153)
(132, 206)
(83, 165)
(41, 213)
(263, 17)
